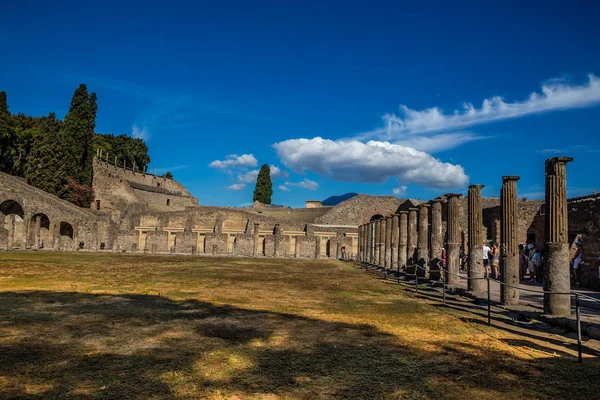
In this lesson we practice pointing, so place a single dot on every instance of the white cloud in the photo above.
(556, 94)
(305, 184)
(399, 190)
(248, 177)
(138, 133)
(354, 161)
(237, 186)
(283, 188)
(277, 172)
(233, 160)
(439, 142)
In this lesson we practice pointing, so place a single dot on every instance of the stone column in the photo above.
(475, 222)
(402, 238)
(377, 241)
(255, 241)
(276, 239)
(453, 244)
(509, 252)
(371, 236)
(411, 241)
(556, 268)
(318, 247)
(437, 241)
(388, 242)
(297, 247)
(394, 257)
(422, 242)
(382, 230)
(10, 219)
(360, 243)
(36, 232)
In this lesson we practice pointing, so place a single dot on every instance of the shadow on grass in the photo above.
(84, 346)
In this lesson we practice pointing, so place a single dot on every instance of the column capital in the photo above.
(509, 178)
(559, 159)
(478, 187)
(402, 212)
(423, 205)
(413, 209)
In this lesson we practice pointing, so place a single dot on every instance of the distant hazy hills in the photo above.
(334, 200)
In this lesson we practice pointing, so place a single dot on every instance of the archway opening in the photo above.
(8, 207)
(66, 229)
(376, 217)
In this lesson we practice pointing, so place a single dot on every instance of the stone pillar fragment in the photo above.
(382, 242)
(371, 244)
(402, 239)
(475, 243)
(377, 239)
(411, 241)
(36, 232)
(255, 241)
(509, 267)
(395, 235)
(556, 269)
(422, 241)
(453, 244)
(437, 241)
(388, 243)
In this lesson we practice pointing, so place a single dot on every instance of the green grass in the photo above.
(103, 326)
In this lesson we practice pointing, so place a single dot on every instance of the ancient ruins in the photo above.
(137, 212)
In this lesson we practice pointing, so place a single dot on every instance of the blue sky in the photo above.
(369, 97)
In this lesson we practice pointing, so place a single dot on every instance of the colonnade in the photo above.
(414, 237)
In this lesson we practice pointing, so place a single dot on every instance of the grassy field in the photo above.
(90, 326)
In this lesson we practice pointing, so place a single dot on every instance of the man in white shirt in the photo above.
(486, 258)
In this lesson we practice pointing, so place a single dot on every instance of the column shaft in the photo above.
(388, 242)
(412, 237)
(395, 235)
(377, 241)
(475, 222)
(436, 239)
(453, 244)
(556, 268)
(422, 242)
(509, 267)
(402, 238)
(382, 242)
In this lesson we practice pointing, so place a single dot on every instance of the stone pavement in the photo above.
(531, 295)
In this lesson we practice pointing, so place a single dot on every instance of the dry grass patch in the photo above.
(94, 326)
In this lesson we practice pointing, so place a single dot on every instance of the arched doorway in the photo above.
(66, 236)
(39, 232)
(12, 223)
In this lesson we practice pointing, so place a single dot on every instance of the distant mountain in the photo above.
(335, 200)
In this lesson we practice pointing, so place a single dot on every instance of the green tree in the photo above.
(45, 169)
(168, 175)
(264, 186)
(77, 136)
(6, 136)
(125, 148)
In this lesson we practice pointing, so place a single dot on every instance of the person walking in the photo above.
(486, 259)
(529, 252)
(522, 262)
(495, 261)
(577, 260)
(538, 264)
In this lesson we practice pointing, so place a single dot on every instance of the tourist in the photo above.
(577, 260)
(444, 257)
(530, 251)
(538, 264)
(486, 258)
(495, 261)
(522, 262)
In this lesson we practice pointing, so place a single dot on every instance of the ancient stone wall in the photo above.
(115, 188)
(584, 224)
(359, 210)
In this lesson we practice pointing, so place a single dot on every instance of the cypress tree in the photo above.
(6, 135)
(45, 168)
(77, 136)
(264, 186)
